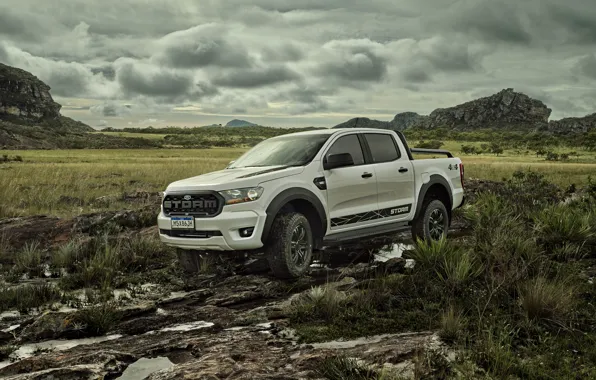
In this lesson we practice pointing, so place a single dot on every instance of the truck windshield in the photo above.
(283, 150)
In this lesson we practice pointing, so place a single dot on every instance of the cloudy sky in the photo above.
(291, 63)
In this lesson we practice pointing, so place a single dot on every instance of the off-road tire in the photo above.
(279, 246)
(421, 226)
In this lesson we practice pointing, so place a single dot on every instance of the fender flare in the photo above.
(288, 195)
(434, 180)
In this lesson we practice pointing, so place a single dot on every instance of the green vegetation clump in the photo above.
(513, 299)
(100, 261)
(26, 297)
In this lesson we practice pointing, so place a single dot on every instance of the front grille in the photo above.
(204, 205)
(190, 234)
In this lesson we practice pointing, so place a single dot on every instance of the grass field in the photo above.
(149, 136)
(67, 182)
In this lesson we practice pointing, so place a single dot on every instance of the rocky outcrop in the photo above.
(400, 122)
(505, 109)
(364, 122)
(573, 125)
(240, 123)
(406, 120)
(23, 95)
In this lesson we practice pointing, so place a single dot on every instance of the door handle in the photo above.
(366, 175)
(403, 170)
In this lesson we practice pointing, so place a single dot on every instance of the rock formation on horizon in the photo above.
(240, 123)
(26, 100)
(507, 109)
(502, 110)
(24, 96)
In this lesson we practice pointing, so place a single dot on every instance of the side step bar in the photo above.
(350, 236)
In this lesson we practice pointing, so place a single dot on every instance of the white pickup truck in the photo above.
(299, 192)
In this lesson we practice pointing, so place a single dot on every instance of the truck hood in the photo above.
(233, 178)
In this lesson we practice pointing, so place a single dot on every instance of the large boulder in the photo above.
(23, 95)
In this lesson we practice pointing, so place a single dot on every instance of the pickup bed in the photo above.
(299, 192)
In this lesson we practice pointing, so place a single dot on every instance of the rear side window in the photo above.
(382, 147)
(348, 144)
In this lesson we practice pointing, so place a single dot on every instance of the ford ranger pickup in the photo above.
(297, 193)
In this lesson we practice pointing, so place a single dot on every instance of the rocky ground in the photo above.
(226, 323)
(209, 326)
(234, 321)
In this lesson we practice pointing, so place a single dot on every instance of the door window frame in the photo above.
(369, 151)
(363, 148)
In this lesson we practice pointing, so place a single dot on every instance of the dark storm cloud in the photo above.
(304, 98)
(587, 66)
(110, 109)
(497, 20)
(285, 52)
(146, 80)
(21, 26)
(416, 74)
(577, 17)
(164, 85)
(354, 60)
(450, 55)
(64, 82)
(201, 46)
(251, 78)
(107, 71)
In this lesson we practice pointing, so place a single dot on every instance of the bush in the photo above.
(433, 144)
(97, 320)
(546, 300)
(560, 225)
(26, 297)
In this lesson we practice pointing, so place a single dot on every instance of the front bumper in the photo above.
(221, 233)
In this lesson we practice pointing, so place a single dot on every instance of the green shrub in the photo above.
(97, 320)
(543, 299)
(561, 225)
(26, 297)
(345, 368)
(29, 260)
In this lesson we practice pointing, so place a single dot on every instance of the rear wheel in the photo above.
(290, 245)
(433, 221)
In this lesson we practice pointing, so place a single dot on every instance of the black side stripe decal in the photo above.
(371, 215)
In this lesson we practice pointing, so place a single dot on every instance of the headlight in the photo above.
(242, 195)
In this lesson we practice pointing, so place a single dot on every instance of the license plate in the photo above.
(183, 222)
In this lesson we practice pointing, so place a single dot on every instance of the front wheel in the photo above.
(290, 245)
(433, 221)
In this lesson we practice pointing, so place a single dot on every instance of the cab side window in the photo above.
(348, 144)
(382, 147)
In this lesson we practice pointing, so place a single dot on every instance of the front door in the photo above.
(351, 190)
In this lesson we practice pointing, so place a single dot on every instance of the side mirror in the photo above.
(230, 164)
(338, 160)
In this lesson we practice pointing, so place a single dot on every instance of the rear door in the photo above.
(395, 176)
(351, 190)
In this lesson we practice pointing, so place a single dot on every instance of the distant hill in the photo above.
(506, 109)
(240, 123)
(31, 119)
(400, 122)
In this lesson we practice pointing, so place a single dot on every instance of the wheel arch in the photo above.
(299, 200)
(437, 188)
